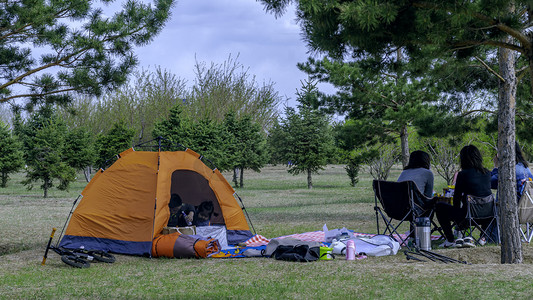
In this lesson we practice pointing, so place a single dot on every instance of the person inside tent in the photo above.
(203, 213)
(181, 214)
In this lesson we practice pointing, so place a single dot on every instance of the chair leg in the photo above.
(392, 229)
(436, 228)
(526, 232)
(529, 232)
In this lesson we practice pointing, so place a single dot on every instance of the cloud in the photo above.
(212, 30)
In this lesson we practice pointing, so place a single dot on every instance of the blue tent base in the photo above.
(108, 245)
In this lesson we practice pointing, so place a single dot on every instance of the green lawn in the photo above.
(278, 204)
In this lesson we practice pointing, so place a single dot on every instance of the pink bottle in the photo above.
(350, 250)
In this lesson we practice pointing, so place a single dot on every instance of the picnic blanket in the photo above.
(258, 243)
(313, 236)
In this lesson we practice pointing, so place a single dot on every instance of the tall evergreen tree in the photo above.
(109, 145)
(304, 139)
(383, 96)
(11, 155)
(176, 128)
(79, 150)
(205, 136)
(50, 49)
(44, 144)
(249, 145)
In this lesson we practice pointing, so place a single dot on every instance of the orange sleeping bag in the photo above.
(183, 246)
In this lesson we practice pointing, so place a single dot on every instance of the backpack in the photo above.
(300, 253)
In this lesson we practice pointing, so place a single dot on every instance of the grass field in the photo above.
(278, 204)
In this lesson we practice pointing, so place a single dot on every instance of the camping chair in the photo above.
(400, 202)
(525, 212)
(481, 214)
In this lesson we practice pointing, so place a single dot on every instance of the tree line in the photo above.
(51, 148)
(54, 142)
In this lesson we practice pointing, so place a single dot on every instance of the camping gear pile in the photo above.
(125, 210)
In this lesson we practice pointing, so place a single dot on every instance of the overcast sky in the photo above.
(212, 30)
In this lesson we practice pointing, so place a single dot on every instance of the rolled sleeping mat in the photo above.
(177, 245)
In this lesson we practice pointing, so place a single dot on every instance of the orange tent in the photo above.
(126, 206)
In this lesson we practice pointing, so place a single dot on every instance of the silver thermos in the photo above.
(423, 233)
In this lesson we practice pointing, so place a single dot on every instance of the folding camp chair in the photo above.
(525, 212)
(400, 202)
(481, 215)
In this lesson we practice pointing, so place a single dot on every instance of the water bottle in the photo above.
(350, 250)
(423, 233)
(186, 218)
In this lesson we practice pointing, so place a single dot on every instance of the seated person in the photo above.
(417, 170)
(203, 213)
(522, 172)
(474, 180)
(181, 214)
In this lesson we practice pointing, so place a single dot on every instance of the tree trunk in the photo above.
(511, 247)
(4, 180)
(235, 174)
(46, 185)
(404, 140)
(87, 173)
(309, 179)
(242, 178)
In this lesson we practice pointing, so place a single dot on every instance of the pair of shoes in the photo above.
(482, 241)
(447, 244)
(468, 242)
(459, 243)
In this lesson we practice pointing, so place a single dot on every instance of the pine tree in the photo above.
(44, 144)
(304, 139)
(50, 49)
(109, 145)
(204, 136)
(79, 150)
(384, 100)
(11, 155)
(248, 146)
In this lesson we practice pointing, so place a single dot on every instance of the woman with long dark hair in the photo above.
(417, 170)
(474, 180)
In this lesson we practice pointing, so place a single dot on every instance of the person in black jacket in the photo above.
(474, 180)
(181, 214)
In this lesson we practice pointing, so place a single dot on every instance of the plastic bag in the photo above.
(337, 234)
(378, 245)
(216, 232)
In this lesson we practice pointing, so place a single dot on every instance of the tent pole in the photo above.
(68, 218)
(244, 209)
